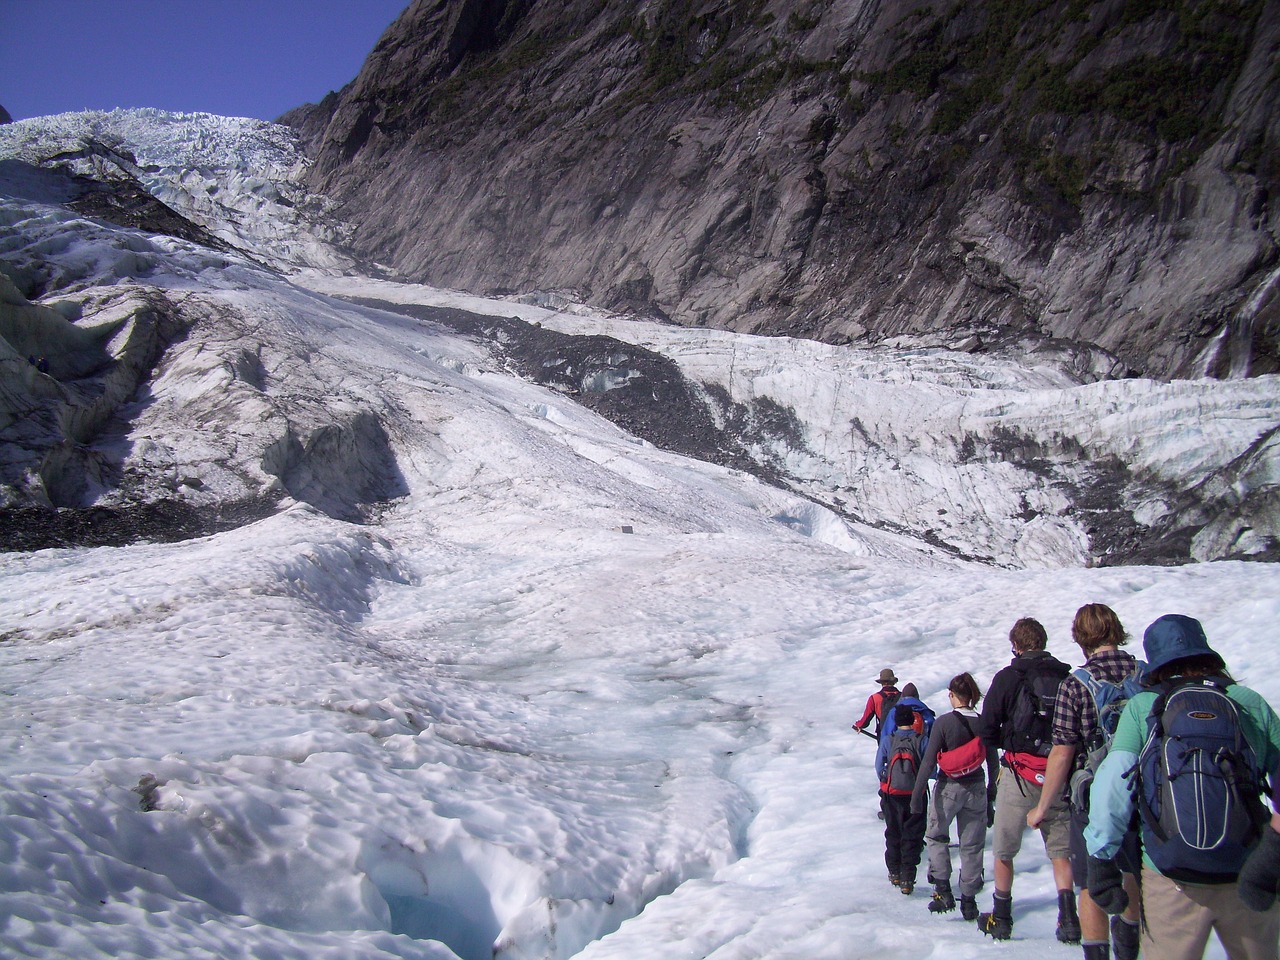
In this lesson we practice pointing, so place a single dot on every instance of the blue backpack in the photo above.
(1198, 784)
(1110, 700)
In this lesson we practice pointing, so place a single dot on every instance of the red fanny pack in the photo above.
(963, 760)
(1028, 766)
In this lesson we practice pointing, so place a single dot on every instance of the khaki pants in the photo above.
(1014, 799)
(1177, 919)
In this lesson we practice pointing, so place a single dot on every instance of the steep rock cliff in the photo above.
(846, 170)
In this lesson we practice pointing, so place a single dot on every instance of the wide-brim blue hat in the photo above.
(1173, 637)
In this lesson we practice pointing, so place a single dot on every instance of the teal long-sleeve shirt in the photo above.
(1111, 797)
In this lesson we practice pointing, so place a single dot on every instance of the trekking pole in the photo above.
(867, 733)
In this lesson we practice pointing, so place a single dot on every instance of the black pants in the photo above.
(903, 836)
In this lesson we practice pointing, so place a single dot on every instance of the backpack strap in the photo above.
(1155, 730)
(1091, 683)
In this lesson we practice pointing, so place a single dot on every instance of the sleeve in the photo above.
(991, 718)
(928, 769)
(1267, 746)
(882, 757)
(1111, 798)
(1068, 726)
(868, 713)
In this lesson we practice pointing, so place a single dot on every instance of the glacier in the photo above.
(446, 664)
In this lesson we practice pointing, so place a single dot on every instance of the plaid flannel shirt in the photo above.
(1075, 715)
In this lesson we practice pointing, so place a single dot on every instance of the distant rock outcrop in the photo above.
(1101, 172)
(5, 116)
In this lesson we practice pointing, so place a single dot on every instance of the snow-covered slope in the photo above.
(456, 668)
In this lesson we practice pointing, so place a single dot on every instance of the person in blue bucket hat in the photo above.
(1189, 887)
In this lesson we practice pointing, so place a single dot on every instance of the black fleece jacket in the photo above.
(992, 725)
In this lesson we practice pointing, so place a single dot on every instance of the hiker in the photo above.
(963, 793)
(878, 701)
(924, 716)
(921, 722)
(1017, 718)
(898, 762)
(1078, 734)
(1188, 888)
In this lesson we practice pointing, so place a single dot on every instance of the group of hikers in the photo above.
(1146, 781)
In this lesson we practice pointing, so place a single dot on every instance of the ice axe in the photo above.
(867, 733)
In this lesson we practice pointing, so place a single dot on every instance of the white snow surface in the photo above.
(492, 722)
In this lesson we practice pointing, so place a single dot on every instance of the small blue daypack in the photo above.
(1198, 784)
(1110, 700)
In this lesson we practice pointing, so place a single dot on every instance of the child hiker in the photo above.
(898, 764)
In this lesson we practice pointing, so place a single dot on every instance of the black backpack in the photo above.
(1029, 726)
(1198, 786)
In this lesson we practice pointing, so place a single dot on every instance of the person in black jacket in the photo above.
(1016, 718)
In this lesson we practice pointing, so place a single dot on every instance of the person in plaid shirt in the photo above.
(1098, 632)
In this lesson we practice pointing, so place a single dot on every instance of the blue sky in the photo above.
(239, 58)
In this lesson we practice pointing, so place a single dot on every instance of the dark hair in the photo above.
(1096, 625)
(966, 688)
(1028, 635)
(1196, 665)
(903, 716)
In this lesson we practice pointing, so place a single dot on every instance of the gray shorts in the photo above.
(1014, 799)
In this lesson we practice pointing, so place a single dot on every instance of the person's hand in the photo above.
(1260, 876)
(1034, 816)
(1106, 886)
(991, 814)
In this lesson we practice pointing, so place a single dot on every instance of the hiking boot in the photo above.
(943, 901)
(894, 879)
(907, 887)
(1097, 951)
(1124, 939)
(998, 924)
(968, 908)
(1068, 920)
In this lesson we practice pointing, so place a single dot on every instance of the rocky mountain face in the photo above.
(845, 170)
